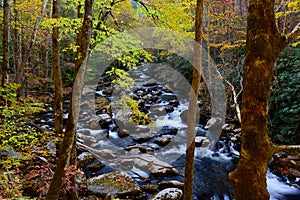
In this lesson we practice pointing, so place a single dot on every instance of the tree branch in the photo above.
(294, 33)
(146, 8)
(287, 148)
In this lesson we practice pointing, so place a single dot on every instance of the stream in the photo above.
(106, 125)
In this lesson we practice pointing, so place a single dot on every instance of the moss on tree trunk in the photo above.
(264, 43)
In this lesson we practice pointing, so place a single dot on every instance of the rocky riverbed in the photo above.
(124, 159)
(128, 160)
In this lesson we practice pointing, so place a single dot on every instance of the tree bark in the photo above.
(17, 52)
(57, 78)
(193, 105)
(6, 33)
(83, 40)
(264, 43)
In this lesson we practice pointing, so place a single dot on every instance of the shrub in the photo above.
(285, 98)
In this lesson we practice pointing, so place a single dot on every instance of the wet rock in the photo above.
(85, 158)
(140, 93)
(142, 137)
(101, 103)
(202, 141)
(123, 133)
(167, 130)
(107, 91)
(101, 85)
(237, 130)
(87, 140)
(228, 127)
(164, 140)
(158, 110)
(154, 98)
(286, 165)
(169, 194)
(95, 166)
(174, 102)
(156, 167)
(104, 121)
(170, 184)
(184, 116)
(150, 188)
(123, 120)
(212, 122)
(151, 83)
(116, 184)
(169, 108)
(168, 97)
(135, 151)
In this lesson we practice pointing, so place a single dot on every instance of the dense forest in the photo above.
(149, 99)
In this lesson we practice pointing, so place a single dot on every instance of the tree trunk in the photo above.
(193, 105)
(57, 79)
(17, 39)
(5, 48)
(83, 40)
(264, 43)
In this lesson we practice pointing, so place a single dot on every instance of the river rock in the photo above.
(174, 102)
(169, 194)
(123, 133)
(142, 137)
(156, 167)
(168, 97)
(184, 116)
(158, 110)
(84, 158)
(164, 140)
(95, 166)
(116, 184)
(86, 139)
(202, 141)
(104, 121)
(170, 184)
(107, 91)
(124, 120)
(149, 188)
(286, 165)
(169, 108)
(168, 130)
(212, 122)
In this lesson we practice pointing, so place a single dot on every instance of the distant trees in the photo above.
(264, 44)
(5, 43)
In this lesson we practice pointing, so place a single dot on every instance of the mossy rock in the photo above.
(118, 184)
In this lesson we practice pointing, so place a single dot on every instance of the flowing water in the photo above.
(163, 104)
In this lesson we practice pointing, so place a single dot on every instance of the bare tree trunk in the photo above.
(17, 39)
(193, 105)
(6, 34)
(264, 43)
(57, 77)
(20, 70)
(83, 40)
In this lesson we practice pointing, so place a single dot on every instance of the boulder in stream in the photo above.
(115, 184)
(169, 194)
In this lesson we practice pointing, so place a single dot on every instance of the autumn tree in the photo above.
(263, 46)
(193, 99)
(28, 49)
(83, 41)
(57, 77)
